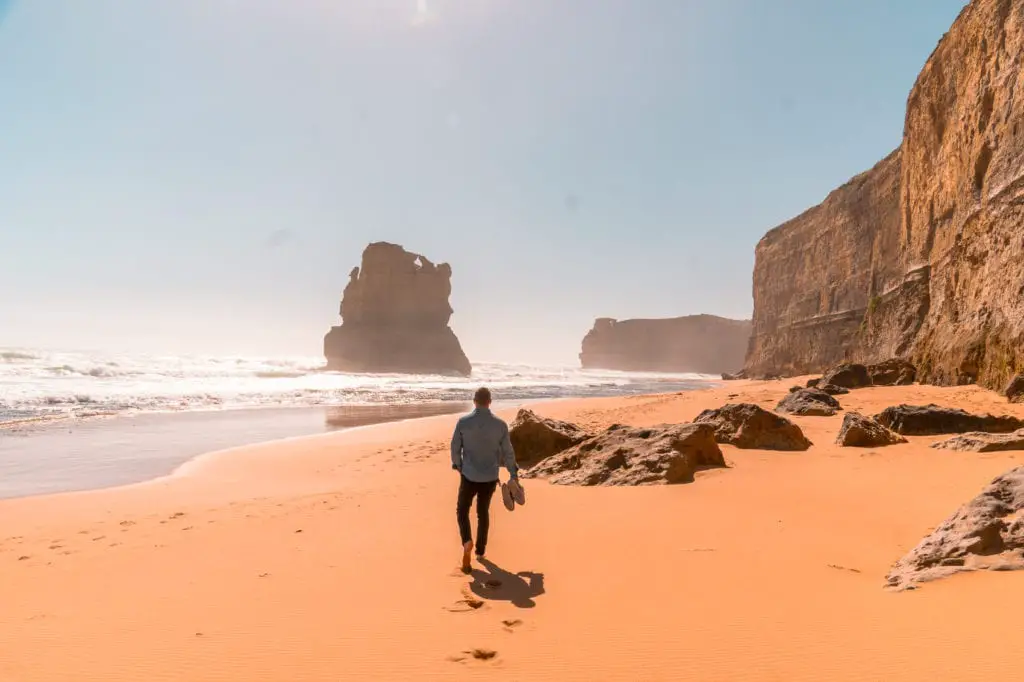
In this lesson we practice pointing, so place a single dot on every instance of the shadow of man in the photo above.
(497, 584)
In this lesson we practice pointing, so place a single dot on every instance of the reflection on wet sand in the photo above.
(347, 416)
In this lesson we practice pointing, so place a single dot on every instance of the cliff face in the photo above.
(698, 343)
(921, 256)
(815, 275)
(395, 315)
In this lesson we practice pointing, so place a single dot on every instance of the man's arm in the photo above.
(508, 455)
(457, 449)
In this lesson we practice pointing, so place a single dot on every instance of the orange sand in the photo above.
(334, 557)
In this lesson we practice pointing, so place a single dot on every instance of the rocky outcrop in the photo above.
(808, 402)
(983, 442)
(931, 420)
(750, 426)
(987, 533)
(395, 315)
(848, 376)
(535, 438)
(622, 455)
(920, 257)
(859, 431)
(1014, 391)
(704, 344)
(892, 372)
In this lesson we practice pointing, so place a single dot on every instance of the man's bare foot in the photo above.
(467, 552)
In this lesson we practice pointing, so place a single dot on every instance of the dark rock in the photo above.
(621, 455)
(859, 431)
(742, 374)
(987, 533)
(535, 438)
(750, 426)
(930, 420)
(813, 383)
(983, 442)
(794, 389)
(832, 389)
(848, 376)
(809, 402)
(894, 372)
(395, 315)
(1015, 389)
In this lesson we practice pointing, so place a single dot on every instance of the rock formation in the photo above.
(920, 256)
(808, 402)
(536, 438)
(1015, 389)
(704, 344)
(750, 426)
(987, 533)
(931, 420)
(859, 431)
(395, 316)
(983, 442)
(622, 455)
(848, 376)
(892, 372)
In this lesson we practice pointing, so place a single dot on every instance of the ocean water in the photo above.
(39, 386)
(79, 421)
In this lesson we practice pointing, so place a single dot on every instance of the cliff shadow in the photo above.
(498, 584)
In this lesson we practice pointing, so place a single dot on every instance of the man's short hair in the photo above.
(482, 396)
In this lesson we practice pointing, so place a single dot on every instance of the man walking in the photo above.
(480, 445)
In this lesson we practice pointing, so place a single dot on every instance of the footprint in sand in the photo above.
(468, 603)
(474, 654)
(510, 624)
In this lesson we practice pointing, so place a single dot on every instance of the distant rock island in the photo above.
(395, 315)
(704, 344)
(920, 257)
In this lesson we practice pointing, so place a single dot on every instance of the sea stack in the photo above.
(395, 315)
(704, 344)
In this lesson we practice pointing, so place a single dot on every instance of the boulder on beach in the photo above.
(848, 375)
(832, 389)
(1015, 389)
(750, 426)
(808, 402)
(931, 420)
(859, 431)
(535, 438)
(987, 533)
(983, 442)
(623, 455)
(894, 372)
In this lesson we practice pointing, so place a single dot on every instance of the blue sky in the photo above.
(201, 175)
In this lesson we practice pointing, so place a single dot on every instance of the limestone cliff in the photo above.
(697, 343)
(395, 315)
(921, 256)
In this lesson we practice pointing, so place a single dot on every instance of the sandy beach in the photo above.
(334, 557)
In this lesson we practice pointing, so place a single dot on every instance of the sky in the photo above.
(200, 176)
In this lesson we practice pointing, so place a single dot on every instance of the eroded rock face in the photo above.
(395, 316)
(987, 533)
(705, 344)
(859, 431)
(622, 455)
(750, 426)
(920, 257)
(848, 375)
(809, 402)
(930, 420)
(983, 442)
(535, 438)
(893, 372)
(1015, 389)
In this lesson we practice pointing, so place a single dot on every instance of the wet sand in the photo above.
(334, 557)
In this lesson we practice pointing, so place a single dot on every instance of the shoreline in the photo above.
(334, 556)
